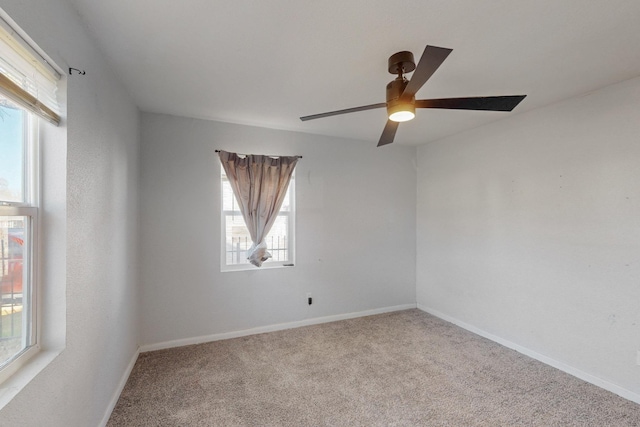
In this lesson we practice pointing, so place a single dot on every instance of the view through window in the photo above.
(17, 217)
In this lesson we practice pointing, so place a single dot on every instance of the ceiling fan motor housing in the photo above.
(395, 104)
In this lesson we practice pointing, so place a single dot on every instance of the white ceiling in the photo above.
(268, 62)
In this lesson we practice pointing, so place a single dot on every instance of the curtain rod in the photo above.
(217, 151)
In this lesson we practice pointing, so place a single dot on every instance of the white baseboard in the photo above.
(118, 392)
(627, 394)
(271, 328)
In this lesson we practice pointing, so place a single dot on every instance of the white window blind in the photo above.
(26, 78)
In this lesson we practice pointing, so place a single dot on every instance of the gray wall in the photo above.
(529, 230)
(355, 230)
(98, 299)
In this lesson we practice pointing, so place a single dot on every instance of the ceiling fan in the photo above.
(401, 93)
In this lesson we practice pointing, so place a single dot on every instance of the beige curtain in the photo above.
(260, 184)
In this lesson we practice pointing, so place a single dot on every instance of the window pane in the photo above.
(277, 239)
(14, 328)
(228, 199)
(239, 241)
(286, 203)
(12, 120)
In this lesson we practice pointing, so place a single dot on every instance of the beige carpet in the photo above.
(398, 369)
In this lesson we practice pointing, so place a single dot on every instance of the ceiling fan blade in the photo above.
(388, 133)
(345, 111)
(431, 59)
(490, 103)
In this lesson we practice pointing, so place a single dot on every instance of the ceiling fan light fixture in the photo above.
(402, 116)
(401, 112)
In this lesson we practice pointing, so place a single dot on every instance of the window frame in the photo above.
(28, 207)
(269, 264)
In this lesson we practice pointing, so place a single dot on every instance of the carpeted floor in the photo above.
(405, 368)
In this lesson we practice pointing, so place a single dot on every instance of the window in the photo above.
(28, 86)
(18, 227)
(236, 239)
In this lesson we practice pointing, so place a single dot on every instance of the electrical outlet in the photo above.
(309, 299)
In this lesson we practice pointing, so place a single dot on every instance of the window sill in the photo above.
(14, 384)
(251, 267)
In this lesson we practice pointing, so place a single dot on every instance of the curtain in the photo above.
(260, 184)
